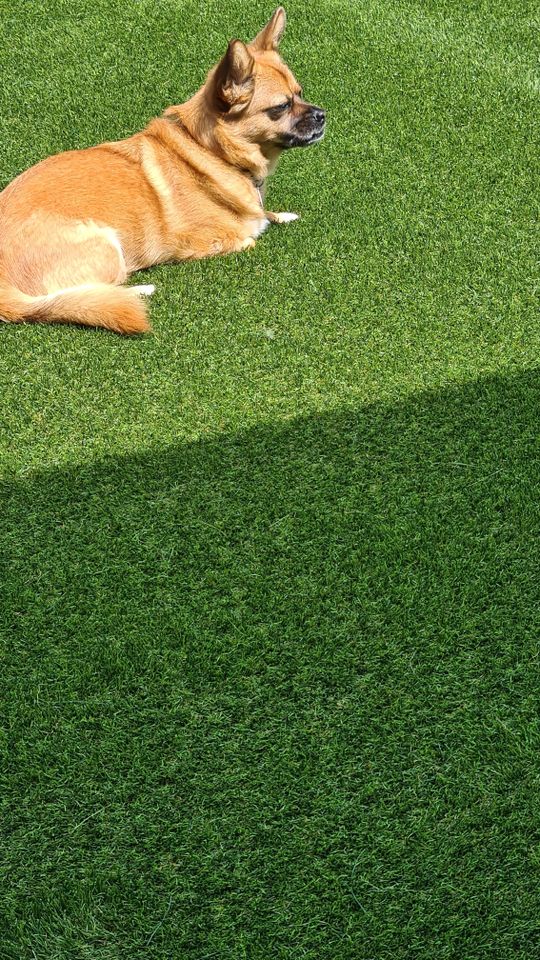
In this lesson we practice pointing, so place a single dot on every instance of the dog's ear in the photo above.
(271, 34)
(234, 81)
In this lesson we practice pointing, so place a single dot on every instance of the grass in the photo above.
(270, 592)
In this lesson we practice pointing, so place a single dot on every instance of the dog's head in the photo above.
(257, 96)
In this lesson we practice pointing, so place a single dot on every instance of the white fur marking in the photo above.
(112, 236)
(143, 289)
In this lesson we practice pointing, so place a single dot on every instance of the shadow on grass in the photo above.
(277, 694)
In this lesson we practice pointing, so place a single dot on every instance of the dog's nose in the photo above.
(319, 115)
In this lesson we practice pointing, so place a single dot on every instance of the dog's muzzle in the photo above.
(307, 130)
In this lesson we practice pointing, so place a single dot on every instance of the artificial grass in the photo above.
(270, 593)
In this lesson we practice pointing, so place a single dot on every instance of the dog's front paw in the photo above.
(282, 217)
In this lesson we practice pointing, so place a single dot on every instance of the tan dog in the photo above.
(74, 227)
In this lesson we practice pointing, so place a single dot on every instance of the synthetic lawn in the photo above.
(270, 584)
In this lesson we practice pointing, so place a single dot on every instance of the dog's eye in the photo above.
(276, 112)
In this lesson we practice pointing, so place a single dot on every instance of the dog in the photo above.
(191, 185)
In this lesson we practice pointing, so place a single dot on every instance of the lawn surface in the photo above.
(270, 591)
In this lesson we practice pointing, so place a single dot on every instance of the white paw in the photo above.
(286, 217)
(144, 289)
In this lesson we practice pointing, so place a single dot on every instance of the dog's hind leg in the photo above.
(62, 271)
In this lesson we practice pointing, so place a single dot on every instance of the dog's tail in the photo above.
(92, 304)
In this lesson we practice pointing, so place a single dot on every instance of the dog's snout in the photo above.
(319, 115)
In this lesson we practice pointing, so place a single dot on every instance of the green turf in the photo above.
(270, 591)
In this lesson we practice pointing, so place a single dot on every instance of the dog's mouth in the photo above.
(314, 137)
(289, 140)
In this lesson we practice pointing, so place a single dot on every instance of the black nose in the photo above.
(319, 115)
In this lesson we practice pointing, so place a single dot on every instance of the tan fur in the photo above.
(73, 227)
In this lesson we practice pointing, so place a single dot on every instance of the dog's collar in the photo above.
(258, 184)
